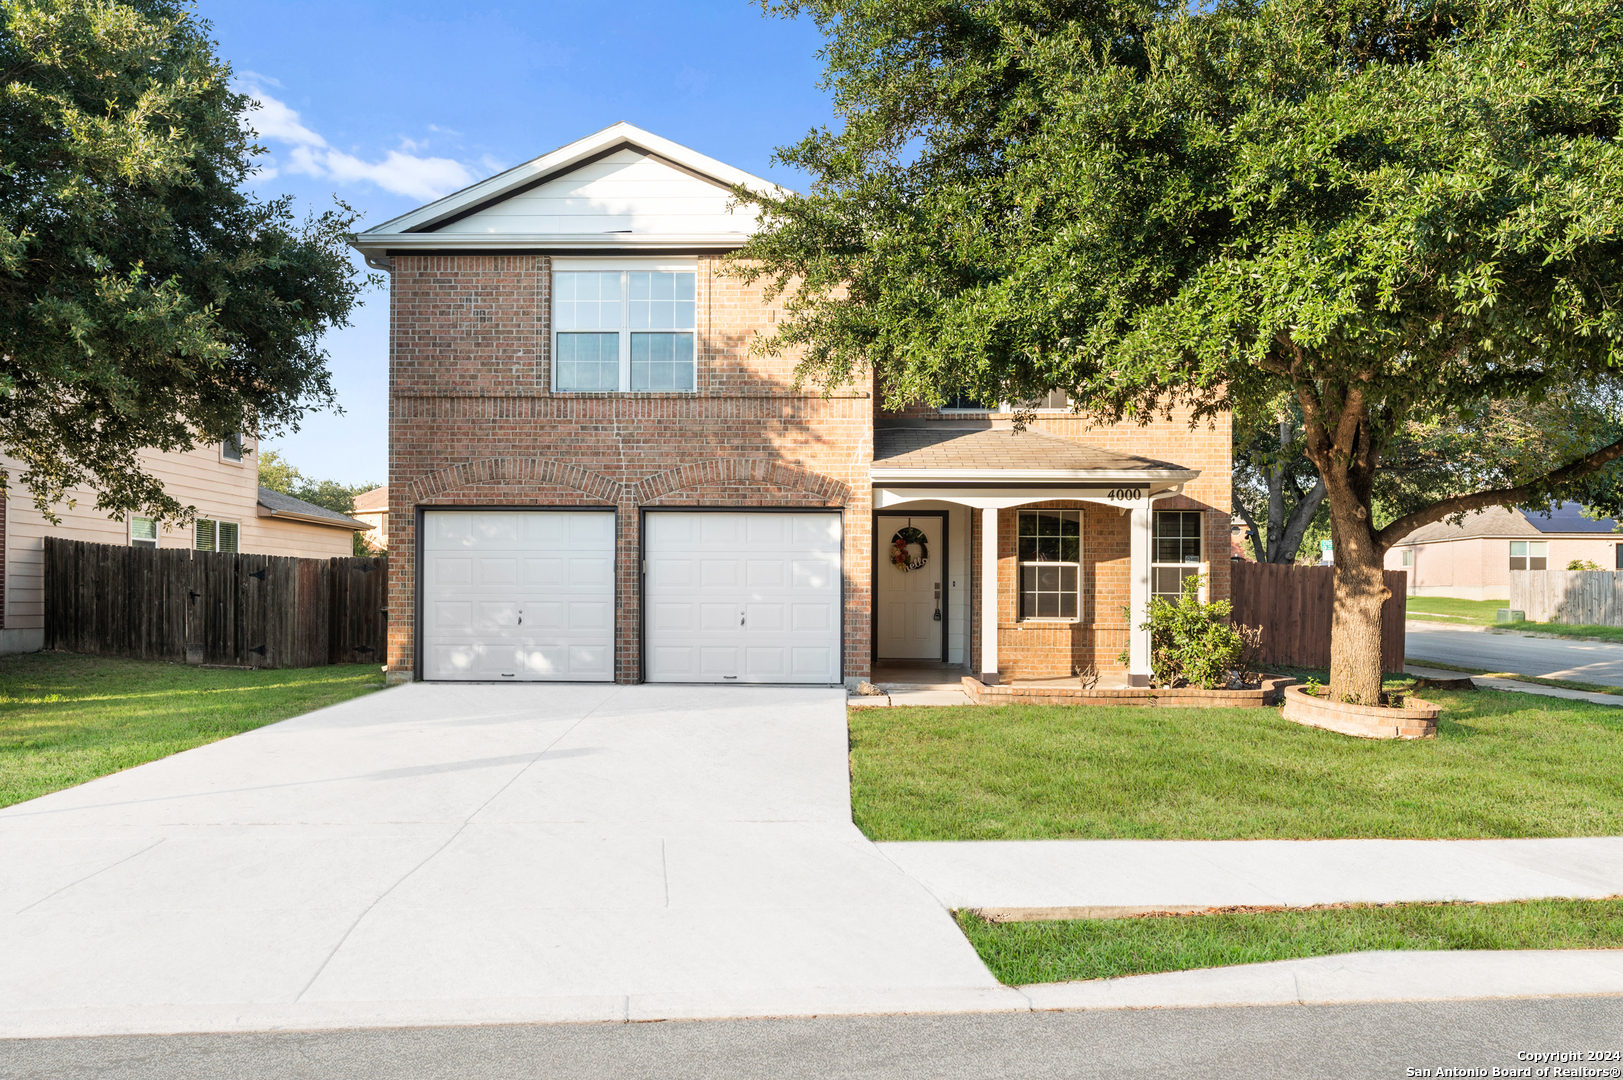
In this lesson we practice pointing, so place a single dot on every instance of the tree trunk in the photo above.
(1355, 627)
(1339, 441)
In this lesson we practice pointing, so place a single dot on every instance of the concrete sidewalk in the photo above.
(1370, 976)
(1493, 682)
(1034, 874)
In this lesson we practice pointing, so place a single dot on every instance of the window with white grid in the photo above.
(1175, 551)
(629, 329)
(1050, 548)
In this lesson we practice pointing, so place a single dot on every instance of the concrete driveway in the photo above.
(1546, 658)
(474, 853)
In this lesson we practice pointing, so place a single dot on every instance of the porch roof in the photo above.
(945, 451)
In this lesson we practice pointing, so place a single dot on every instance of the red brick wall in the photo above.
(472, 421)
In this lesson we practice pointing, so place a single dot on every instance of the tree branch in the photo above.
(1510, 496)
(1250, 523)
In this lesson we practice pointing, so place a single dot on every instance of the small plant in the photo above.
(1313, 686)
(1195, 644)
(1582, 564)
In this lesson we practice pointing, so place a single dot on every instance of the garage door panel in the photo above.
(733, 597)
(720, 528)
(591, 571)
(588, 615)
(670, 573)
(544, 573)
(442, 571)
(815, 574)
(515, 595)
(765, 573)
(806, 617)
(764, 662)
(719, 573)
(766, 529)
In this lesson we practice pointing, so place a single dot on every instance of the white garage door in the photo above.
(518, 594)
(743, 597)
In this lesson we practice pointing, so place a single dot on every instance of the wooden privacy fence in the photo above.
(1574, 597)
(199, 607)
(1294, 604)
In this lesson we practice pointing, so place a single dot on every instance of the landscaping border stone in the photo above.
(1415, 719)
(1185, 697)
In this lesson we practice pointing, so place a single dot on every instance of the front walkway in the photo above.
(457, 854)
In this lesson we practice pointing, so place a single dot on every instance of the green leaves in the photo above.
(146, 300)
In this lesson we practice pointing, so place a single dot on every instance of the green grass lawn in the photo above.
(1446, 609)
(1038, 952)
(65, 719)
(1604, 633)
(1502, 765)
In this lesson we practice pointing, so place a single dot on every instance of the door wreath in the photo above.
(900, 557)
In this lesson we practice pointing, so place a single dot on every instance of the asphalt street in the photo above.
(1327, 1041)
(1549, 658)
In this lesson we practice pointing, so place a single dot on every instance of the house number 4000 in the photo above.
(1125, 493)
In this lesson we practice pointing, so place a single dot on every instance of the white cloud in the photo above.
(403, 171)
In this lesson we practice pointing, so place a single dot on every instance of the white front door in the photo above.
(747, 596)
(910, 609)
(518, 595)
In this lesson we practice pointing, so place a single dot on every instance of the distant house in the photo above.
(1473, 560)
(233, 514)
(372, 507)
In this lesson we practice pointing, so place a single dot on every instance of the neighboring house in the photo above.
(233, 514)
(1473, 560)
(372, 507)
(593, 477)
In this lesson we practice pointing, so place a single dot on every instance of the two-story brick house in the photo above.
(592, 477)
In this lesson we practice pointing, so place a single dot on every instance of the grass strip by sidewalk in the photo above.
(1019, 953)
(1503, 765)
(65, 718)
(1561, 684)
(1600, 633)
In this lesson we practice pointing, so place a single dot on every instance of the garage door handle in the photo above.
(740, 620)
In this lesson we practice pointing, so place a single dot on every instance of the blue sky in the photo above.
(391, 105)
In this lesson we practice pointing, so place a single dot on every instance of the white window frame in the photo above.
(623, 266)
(217, 522)
(1408, 558)
(1201, 566)
(1531, 549)
(242, 447)
(141, 541)
(1020, 565)
(1004, 407)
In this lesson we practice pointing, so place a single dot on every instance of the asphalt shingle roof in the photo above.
(1496, 521)
(969, 446)
(275, 501)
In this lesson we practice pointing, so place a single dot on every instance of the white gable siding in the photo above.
(626, 190)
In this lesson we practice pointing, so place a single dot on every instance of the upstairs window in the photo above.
(1175, 551)
(143, 532)
(211, 535)
(629, 329)
(231, 448)
(1529, 554)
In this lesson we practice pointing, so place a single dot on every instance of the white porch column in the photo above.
(988, 673)
(1138, 596)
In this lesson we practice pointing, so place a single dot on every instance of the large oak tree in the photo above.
(1388, 211)
(147, 299)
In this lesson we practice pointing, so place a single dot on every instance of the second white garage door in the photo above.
(743, 597)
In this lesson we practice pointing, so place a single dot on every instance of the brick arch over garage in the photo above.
(515, 471)
(766, 472)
